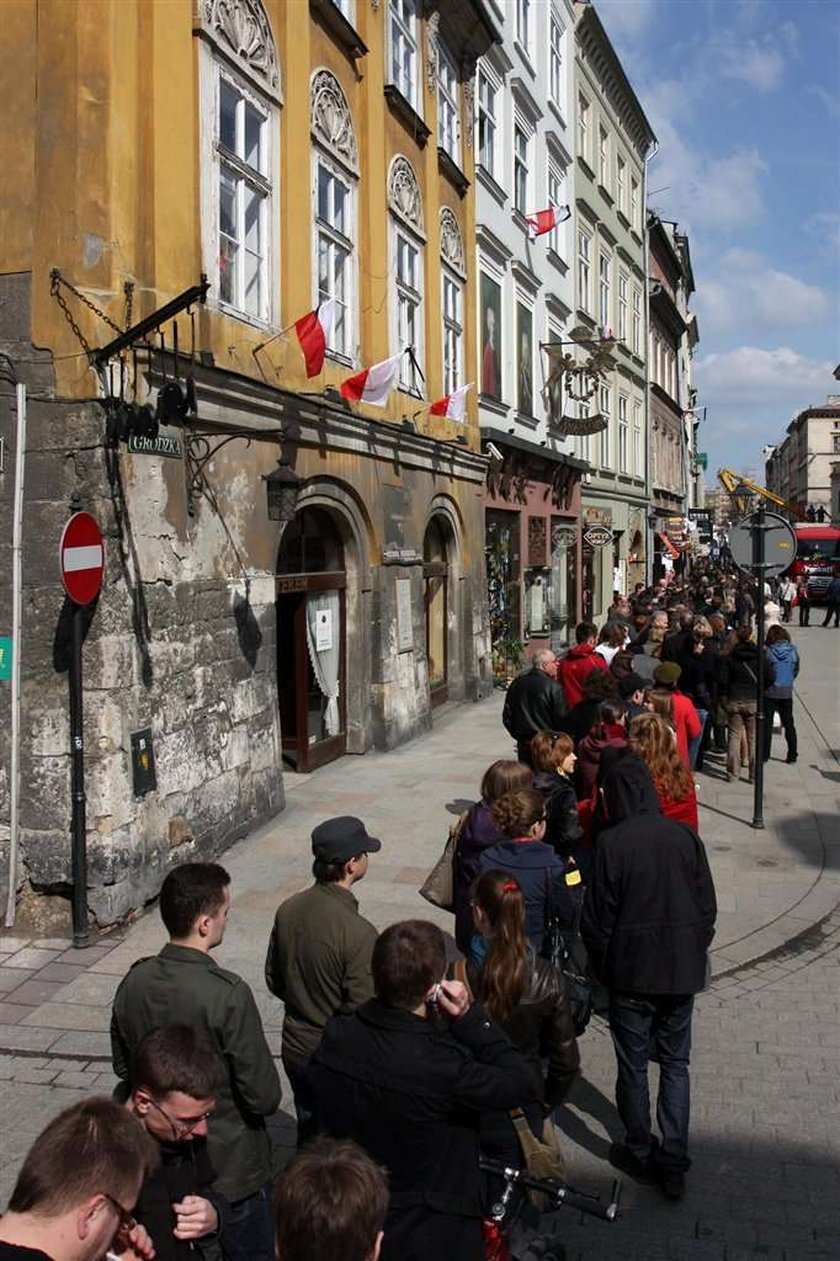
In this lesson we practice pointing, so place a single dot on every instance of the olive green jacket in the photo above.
(184, 986)
(318, 963)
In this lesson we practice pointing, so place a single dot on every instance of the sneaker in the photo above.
(643, 1171)
(672, 1184)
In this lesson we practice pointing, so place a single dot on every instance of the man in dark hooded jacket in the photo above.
(648, 921)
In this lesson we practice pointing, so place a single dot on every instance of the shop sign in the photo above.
(598, 516)
(537, 541)
(163, 444)
(597, 536)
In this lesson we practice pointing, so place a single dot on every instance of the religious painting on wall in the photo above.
(524, 360)
(491, 335)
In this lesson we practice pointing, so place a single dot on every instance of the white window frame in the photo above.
(638, 455)
(622, 305)
(449, 111)
(487, 110)
(404, 38)
(403, 297)
(521, 162)
(634, 202)
(584, 270)
(621, 183)
(348, 9)
(604, 289)
(623, 432)
(523, 25)
(584, 115)
(555, 197)
(555, 59)
(453, 329)
(603, 157)
(343, 242)
(605, 403)
(636, 321)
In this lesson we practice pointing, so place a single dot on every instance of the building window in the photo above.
(606, 434)
(621, 183)
(622, 433)
(403, 20)
(487, 123)
(407, 262)
(584, 443)
(453, 275)
(449, 122)
(244, 192)
(555, 195)
(835, 443)
(555, 60)
(520, 169)
(335, 167)
(523, 24)
(584, 248)
(634, 202)
(638, 458)
(583, 128)
(623, 281)
(604, 305)
(636, 339)
(603, 158)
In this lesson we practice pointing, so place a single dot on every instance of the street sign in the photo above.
(597, 536)
(81, 558)
(779, 544)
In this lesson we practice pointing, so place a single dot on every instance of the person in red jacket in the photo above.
(579, 662)
(685, 718)
(652, 737)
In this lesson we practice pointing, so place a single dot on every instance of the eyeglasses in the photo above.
(180, 1128)
(128, 1222)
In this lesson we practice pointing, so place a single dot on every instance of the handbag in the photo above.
(439, 886)
(556, 950)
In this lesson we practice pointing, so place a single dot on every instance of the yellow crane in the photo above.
(739, 489)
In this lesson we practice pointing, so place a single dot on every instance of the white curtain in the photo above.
(325, 661)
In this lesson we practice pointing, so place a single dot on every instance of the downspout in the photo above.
(17, 535)
(649, 156)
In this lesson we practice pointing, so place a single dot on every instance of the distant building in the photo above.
(803, 468)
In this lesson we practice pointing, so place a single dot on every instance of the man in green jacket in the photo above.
(319, 952)
(182, 985)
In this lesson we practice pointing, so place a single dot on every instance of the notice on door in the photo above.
(323, 630)
(405, 631)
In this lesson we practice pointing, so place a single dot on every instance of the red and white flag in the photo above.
(373, 385)
(313, 331)
(453, 405)
(546, 220)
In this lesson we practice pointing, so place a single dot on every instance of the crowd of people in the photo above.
(406, 1063)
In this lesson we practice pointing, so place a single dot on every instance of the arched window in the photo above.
(335, 177)
(240, 99)
(453, 275)
(407, 267)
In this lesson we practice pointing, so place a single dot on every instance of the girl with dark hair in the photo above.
(553, 758)
(608, 732)
(738, 679)
(524, 855)
(477, 832)
(783, 658)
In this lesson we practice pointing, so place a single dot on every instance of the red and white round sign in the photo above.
(82, 558)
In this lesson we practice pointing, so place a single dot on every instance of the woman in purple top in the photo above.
(478, 833)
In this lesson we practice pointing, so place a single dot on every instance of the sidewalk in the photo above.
(773, 886)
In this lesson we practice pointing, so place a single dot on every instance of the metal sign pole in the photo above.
(758, 532)
(81, 930)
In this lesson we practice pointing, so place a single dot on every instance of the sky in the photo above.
(744, 98)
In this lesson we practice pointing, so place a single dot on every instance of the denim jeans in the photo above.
(248, 1233)
(696, 741)
(657, 1028)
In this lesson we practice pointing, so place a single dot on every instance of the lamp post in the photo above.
(283, 488)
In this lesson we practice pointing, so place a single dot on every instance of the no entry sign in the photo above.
(81, 558)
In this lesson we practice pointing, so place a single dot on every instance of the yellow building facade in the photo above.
(288, 158)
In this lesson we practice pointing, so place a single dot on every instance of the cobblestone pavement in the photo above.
(767, 1041)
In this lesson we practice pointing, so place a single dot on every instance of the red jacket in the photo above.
(686, 724)
(682, 811)
(573, 669)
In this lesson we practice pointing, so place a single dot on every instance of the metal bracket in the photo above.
(195, 293)
(198, 453)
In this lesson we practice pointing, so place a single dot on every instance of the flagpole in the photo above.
(283, 331)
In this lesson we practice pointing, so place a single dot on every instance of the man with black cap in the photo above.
(319, 952)
(631, 689)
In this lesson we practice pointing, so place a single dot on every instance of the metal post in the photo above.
(17, 595)
(758, 565)
(77, 753)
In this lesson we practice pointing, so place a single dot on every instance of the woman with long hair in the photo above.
(525, 856)
(651, 737)
(738, 678)
(553, 758)
(477, 832)
(608, 732)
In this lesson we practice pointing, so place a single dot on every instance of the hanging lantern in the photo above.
(283, 488)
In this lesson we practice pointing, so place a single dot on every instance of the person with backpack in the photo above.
(783, 660)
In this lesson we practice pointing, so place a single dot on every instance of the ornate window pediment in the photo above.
(240, 29)
(451, 243)
(404, 194)
(331, 120)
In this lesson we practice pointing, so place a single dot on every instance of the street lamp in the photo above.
(283, 488)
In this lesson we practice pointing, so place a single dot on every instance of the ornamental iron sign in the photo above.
(597, 536)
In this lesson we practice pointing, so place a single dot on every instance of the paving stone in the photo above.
(11, 978)
(36, 1076)
(57, 1016)
(34, 992)
(79, 1042)
(13, 1013)
(31, 959)
(84, 956)
(63, 972)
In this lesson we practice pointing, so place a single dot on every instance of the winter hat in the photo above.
(667, 673)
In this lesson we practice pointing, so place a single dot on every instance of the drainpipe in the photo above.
(649, 156)
(17, 534)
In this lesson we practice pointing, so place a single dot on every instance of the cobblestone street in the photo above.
(766, 1058)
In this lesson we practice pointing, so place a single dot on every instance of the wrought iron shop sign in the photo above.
(597, 536)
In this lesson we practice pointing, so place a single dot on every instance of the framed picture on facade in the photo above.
(491, 338)
(537, 541)
(524, 360)
(405, 627)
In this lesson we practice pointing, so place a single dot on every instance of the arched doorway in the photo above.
(311, 635)
(436, 597)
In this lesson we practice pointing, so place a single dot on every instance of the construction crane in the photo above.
(739, 489)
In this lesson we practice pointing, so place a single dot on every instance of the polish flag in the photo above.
(373, 385)
(546, 220)
(453, 405)
(313, 331)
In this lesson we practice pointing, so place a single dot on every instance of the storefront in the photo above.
(614, 551)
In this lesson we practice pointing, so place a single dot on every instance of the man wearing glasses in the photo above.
(75, 1194)
(175, 1074)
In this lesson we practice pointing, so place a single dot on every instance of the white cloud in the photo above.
(743, 291)
(625, 18)
(717, 193)
(831, 100)
(824, 227)
(751, 375)
(757, 62)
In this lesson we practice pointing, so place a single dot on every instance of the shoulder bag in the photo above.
(439, 886)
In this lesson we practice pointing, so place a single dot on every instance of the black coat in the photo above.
(184, 1169)
(739, 673)
(650, 908)
(563, 831)
(411, 1094)
(533, 702)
